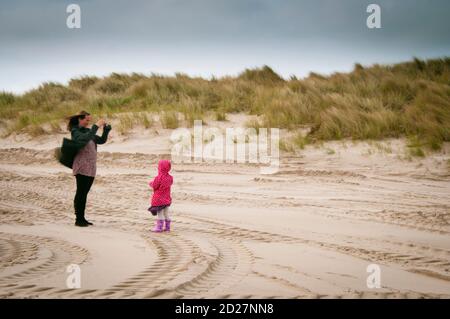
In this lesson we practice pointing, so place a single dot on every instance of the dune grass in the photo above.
(169, 120)
(410, 99)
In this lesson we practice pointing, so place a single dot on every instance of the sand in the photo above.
(308, 231)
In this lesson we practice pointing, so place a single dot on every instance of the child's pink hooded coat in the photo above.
(161, 185)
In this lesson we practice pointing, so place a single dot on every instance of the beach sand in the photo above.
(308, 231)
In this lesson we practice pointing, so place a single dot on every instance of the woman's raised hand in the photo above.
(100, 123)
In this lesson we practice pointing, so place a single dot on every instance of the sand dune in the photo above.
(309, 231)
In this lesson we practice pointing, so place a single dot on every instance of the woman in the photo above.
(85, 162)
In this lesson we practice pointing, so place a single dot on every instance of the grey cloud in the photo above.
(293, 36)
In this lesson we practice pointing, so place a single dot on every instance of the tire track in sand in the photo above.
(59, 254)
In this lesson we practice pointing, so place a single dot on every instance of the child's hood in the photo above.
(164, 166)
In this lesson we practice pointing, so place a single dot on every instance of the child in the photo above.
(161, 199)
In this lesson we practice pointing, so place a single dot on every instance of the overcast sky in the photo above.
(211, 37)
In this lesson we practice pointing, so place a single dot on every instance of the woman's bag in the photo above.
(67, 152)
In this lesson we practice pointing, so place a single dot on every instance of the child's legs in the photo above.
(160, 215)
(166, 213)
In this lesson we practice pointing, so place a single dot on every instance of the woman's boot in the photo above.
(81, 222)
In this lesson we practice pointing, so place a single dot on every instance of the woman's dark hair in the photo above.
(73, 120)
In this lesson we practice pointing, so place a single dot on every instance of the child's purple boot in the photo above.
(167, 228)
(158, 226)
